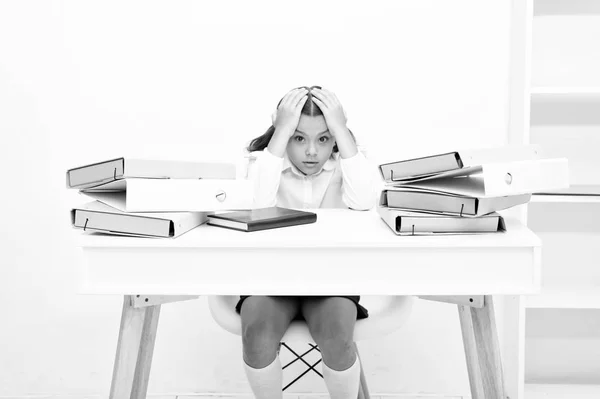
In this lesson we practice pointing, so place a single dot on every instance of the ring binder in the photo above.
(85, 225)
(221, 195)
(413, 229)
(461, 209)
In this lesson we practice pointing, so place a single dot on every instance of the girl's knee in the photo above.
(338, 353)
(332, 330)
(260, 332)
(260, 344)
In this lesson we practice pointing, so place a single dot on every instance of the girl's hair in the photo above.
(309, 109)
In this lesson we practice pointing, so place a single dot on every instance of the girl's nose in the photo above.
(311, 150)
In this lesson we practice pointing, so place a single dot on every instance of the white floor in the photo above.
(532, 391)
(557, 391)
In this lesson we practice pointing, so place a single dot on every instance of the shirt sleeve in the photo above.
(360, 182)
(264, 169)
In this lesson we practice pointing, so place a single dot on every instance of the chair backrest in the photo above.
(386, 314)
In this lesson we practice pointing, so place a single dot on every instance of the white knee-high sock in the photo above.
(266, 383)
(342, 384)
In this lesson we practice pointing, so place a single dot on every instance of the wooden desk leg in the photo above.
(482, 350)
(514, 346)
(134, 350)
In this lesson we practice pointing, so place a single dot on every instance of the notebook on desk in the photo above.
(103, 172)
(99, 217)
(262, 219)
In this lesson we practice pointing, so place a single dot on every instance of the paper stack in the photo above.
(154, 198)
(461, 192)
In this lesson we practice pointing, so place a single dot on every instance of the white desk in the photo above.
(351, 252)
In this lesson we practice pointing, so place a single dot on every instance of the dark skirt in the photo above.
(361, 311)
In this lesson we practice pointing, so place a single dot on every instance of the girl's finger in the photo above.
(298, 96)
(331, 97)
(300, 100)
(334, 98)
(321, 97)
(286, 100)
(319, 103)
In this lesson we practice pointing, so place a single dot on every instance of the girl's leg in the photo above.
(331, 323)
(264, 322)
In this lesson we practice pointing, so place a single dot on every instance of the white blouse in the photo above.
(341, 183)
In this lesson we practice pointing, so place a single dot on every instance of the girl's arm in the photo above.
(360, 182)
(359, 178)
(264, 169)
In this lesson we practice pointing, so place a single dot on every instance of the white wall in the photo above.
(563, 345)
(82, 82)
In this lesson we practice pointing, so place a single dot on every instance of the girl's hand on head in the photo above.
(331, 108)
(288, 112)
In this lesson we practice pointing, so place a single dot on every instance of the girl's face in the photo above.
(311, 145)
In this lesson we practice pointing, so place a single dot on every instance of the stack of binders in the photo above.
(461, 192)
(154, 198)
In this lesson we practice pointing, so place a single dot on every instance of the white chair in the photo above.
(386, 314)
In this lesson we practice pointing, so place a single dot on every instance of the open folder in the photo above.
(406, 223)
(103, 172)
(99, 217)
(174, 195)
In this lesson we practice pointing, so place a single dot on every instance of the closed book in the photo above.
(406, 223)
(99, 217)
(262, 218)
(103, 172)
(174, 195)
(457, 162)
(435, 201)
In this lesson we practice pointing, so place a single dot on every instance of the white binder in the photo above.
(502, 179)
(404, 223)
(92, 175)
(99, 217)
(458, 163)
(421, 199)
(174, 195)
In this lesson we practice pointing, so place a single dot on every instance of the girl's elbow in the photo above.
(367, 204)
(362, 204)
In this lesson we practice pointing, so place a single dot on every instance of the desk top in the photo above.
(345, 252)
(335, 228)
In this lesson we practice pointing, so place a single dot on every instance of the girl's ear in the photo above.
(274, 117)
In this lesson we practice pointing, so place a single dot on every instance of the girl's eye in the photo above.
(299, 138)
(323, 139)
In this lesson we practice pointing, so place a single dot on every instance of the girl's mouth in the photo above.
(310, 164)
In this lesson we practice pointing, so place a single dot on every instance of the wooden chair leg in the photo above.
(363, 390)
(482, 350)
(135, 347)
